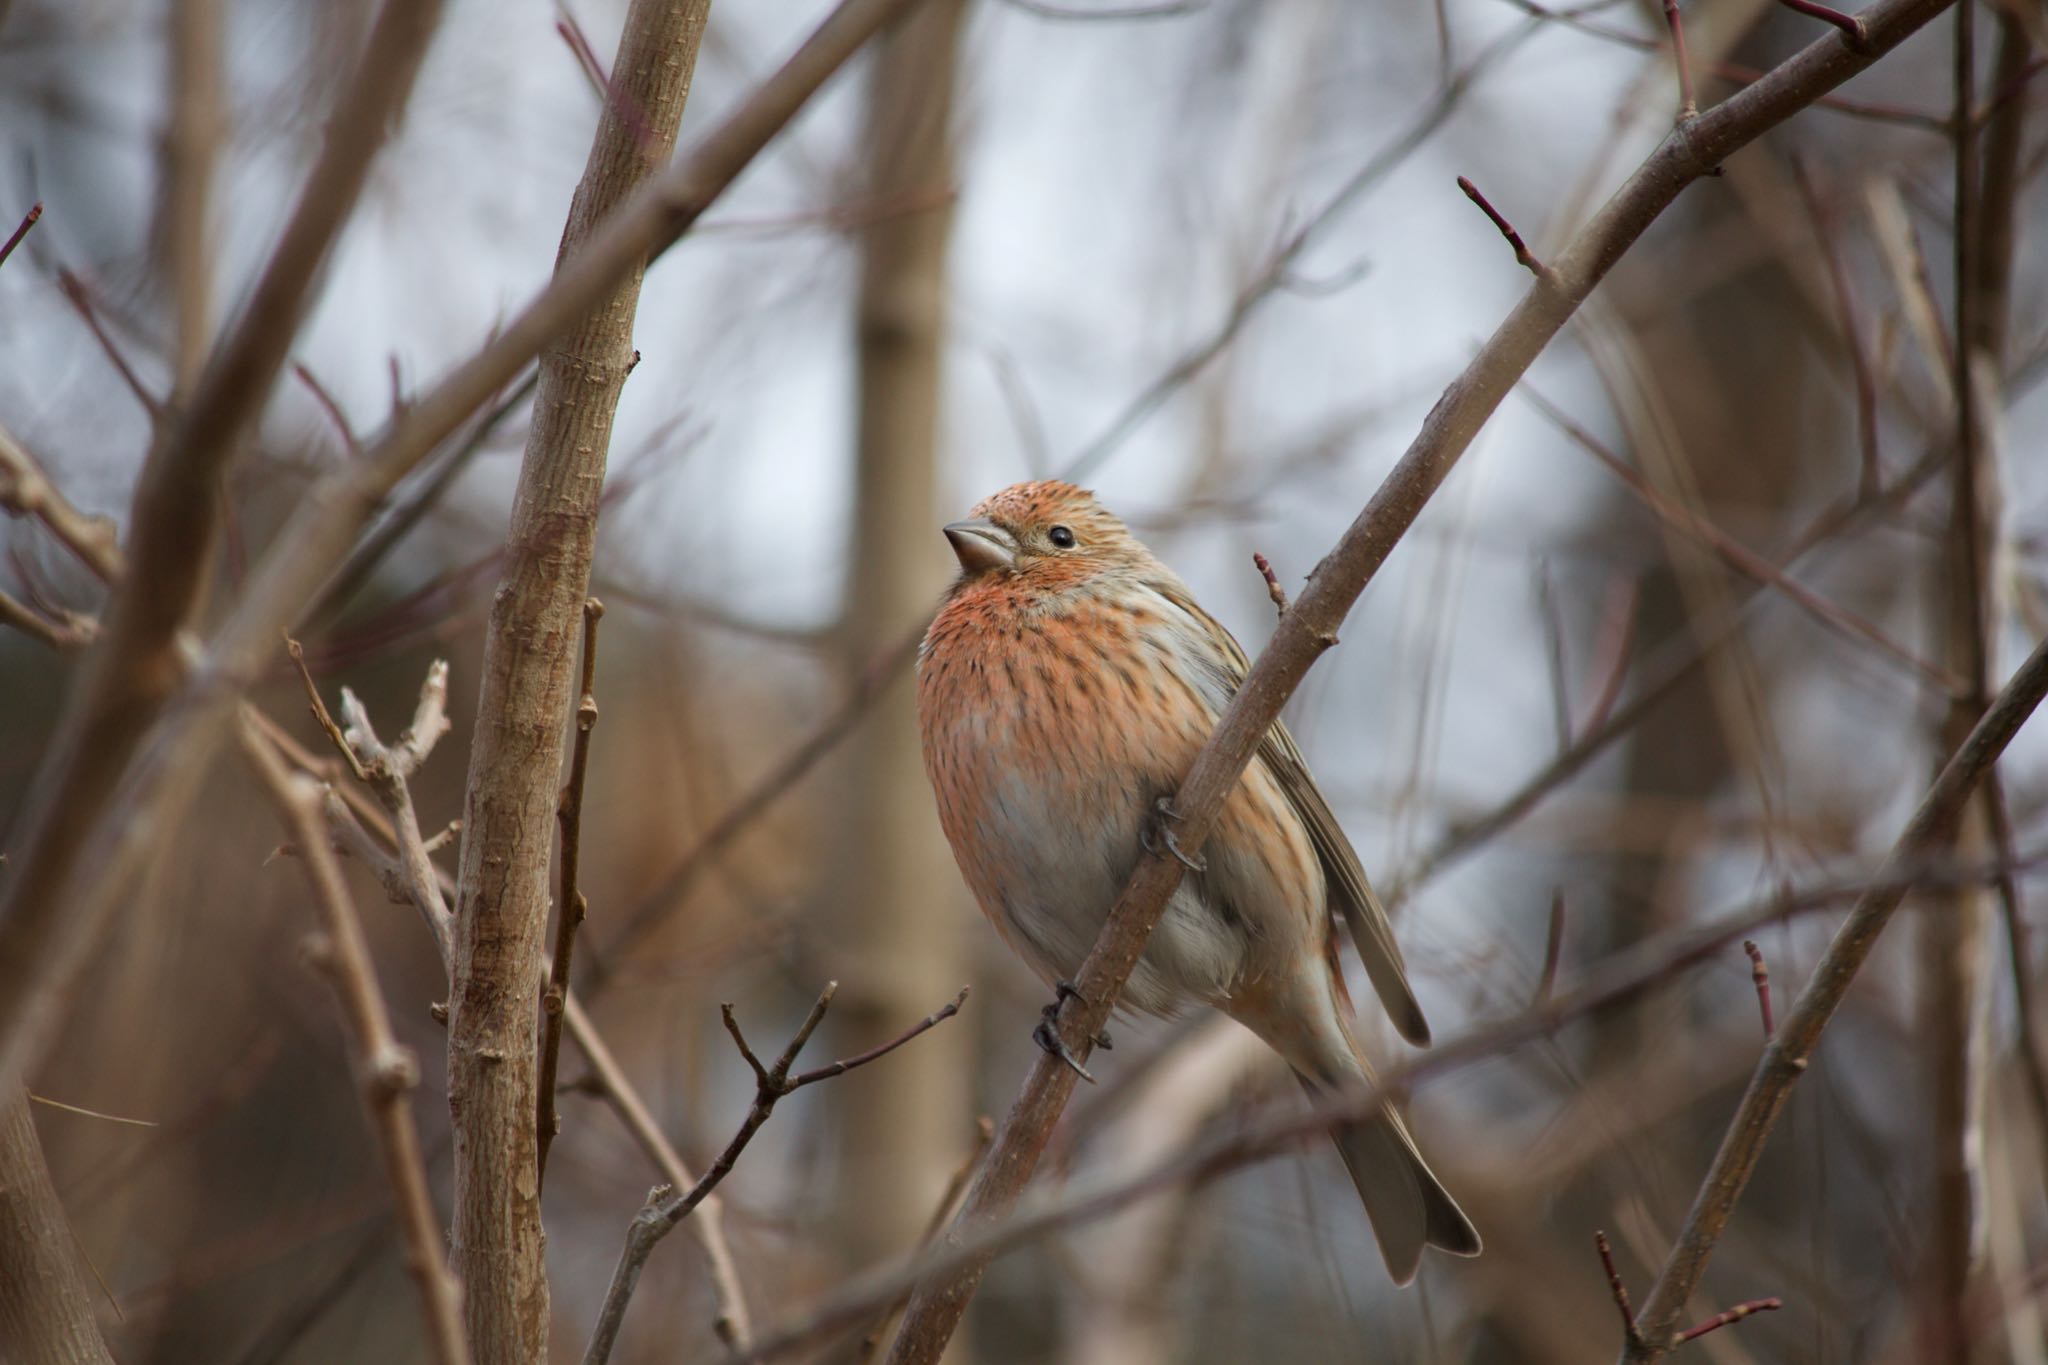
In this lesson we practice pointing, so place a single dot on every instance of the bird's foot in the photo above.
(1047, 1034)
(1163, 833)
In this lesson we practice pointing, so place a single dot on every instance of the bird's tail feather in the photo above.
(1408, 1205)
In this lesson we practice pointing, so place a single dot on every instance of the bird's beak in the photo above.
(982, 545)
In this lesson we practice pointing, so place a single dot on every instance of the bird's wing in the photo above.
(1351, 893)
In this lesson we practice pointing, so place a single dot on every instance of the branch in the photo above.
(666, 1208)
(1791, 1047)
(385, 1069)
(503, 1116)
(28, 220)
(77, 865)
(1760, 976)
(1740, 557)
(1621, 978)
(1311, 623)
(429, 889)
(570, 906)
(47, 932)
(1523, 256)
(26, 491)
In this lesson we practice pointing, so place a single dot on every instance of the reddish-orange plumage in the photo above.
(1063, 690)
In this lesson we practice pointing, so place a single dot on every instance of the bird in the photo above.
(1064, 687)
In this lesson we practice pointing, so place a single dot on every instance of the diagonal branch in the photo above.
(1311, 624)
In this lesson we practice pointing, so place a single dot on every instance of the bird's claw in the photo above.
(1163, 832)
(1047, 1034)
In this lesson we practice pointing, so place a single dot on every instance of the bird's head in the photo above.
(1044, 534)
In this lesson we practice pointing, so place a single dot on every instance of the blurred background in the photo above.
(1210, 259)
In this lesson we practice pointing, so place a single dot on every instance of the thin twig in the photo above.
(1616, 1287)
(1850, 25)
(942, 1213)
(1523, 256)
(80, 298)
(1688, 106)
(1740, 557)
(666, 1208)
(318, 706)
(1740, 1310)
(1273, 588)
(1761, 976)
(335, 416)
(26, 491)
(386, 1070)
(75, 633)
(570, 906)
(28, 221)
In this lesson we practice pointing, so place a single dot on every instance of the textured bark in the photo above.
(46, 1311)
(904, 1124)
(516, 758)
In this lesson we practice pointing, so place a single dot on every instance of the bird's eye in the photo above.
(1062, 537)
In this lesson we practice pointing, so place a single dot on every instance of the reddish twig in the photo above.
(28, 221)
(1523, 256)
(80, 298)
(1688, 105)
(329, 406)
(1761, 975)
(1851, 26)
(1730, 1315)
(665, 1208)
(570, 906)
(1740, 557)
(1273, 588)
(1616, 1287)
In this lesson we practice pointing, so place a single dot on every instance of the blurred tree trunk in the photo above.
(904, 1124)
(46, 1313)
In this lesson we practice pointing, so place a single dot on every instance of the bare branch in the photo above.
(386, 1070)
(666, 1208)
(26, 491)
(46, 931)
(570, 906)
(28, 220)
(1523, 256)
(1761, 977)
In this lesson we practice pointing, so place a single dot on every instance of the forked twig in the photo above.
(666, 1207)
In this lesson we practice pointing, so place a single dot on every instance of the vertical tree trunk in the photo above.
(904, 1124)
(516, 758)
(46, 1313)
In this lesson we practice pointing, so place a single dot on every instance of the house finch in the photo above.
(1062, 692)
